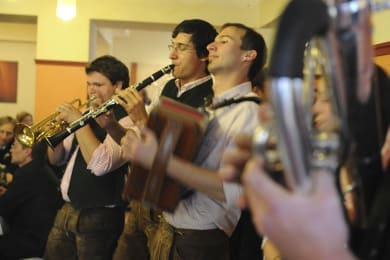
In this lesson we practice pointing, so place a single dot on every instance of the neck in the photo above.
(182, 82)
(198, 73)
(224, 82)
(25, 161)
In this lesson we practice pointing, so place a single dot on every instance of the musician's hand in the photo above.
(385, 151)
(141, 151)
(95, 101)
(313, 218)
(234, 159)
(68, 113)
(133, 103)
(106, 120)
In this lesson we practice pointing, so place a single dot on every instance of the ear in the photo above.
(28, 151)
(250, 55)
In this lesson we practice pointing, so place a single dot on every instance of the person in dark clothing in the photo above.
(7, 128)
(30, 204)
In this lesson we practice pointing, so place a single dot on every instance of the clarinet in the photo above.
(55, 139)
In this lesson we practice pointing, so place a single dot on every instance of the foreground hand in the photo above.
(141, 151)
(302, 225)
(68, 113)
(106, 120)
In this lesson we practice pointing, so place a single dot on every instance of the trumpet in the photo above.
(54, 140)
(29, 135)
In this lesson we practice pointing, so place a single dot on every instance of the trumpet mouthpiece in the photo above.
(92, 98)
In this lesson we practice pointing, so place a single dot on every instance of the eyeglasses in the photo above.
(180, 47)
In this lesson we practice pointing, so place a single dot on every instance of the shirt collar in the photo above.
(190, 85)
(235, 92)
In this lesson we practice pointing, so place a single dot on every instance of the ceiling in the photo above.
(123, 33)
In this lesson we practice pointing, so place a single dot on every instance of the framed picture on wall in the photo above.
(8, 81)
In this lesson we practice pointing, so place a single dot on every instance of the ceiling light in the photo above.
(66, 9)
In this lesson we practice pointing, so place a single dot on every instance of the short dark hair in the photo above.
(252, 40)
(22, 115)
(260, 78)
(202, 34)
(39, 151)
(7, 120)
(110, 67)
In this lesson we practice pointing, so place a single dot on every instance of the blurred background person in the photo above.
(24, 117)
(30, 204)
(7, 128)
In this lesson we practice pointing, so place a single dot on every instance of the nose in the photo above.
(92, 91)
(211, 46)
(173, 54)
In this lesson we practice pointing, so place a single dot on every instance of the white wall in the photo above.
(149, 47)
(17, 43)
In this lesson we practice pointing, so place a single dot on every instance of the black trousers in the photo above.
(16, 246)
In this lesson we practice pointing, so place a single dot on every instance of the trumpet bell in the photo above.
(29, 135)
(25, 135)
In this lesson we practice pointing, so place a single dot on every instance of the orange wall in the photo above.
(384, 62)
(56, 83)
(382, 56)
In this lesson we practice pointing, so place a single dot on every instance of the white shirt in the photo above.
(199, 211)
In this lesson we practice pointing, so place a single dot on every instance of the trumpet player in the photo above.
(92, 217)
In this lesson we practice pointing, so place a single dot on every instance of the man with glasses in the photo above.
(191, 85)
(189, 56)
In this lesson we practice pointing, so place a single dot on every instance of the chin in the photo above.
(175, 74)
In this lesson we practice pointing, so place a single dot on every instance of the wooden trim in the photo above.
(60, 63)
(133, 73)
(381, 49)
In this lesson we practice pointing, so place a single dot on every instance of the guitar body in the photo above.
(179, 129)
